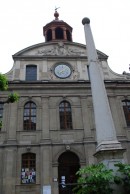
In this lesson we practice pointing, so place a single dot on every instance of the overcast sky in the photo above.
(22, 21)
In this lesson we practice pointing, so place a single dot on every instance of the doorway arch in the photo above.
(68, 166)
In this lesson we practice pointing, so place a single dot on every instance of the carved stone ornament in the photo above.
(61, 50)
(28, 149)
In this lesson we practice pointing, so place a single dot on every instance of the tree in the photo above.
(124, 178)
(94, 179)
(3, 83)
(12, 97)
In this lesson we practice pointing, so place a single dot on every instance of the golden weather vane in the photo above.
(56, 14)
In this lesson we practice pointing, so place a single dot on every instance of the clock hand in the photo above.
(62, 70)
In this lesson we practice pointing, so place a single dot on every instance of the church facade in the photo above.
(51, 131)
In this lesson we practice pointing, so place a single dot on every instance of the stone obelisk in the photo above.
(108, 147)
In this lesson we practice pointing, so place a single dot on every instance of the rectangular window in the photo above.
(126, 108)
(65, 115)
(31, 73)
(28, 170)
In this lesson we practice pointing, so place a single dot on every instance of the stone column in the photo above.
(45, 36)
(53, 34)
(64, 31)
(107, 142)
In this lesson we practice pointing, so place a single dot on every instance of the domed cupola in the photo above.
(57, 30)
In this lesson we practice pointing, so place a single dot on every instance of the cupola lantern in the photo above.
(57, 30)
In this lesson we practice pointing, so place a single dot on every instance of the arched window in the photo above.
(1, 113)
(31, 73)
(65, 115)
(28, 168)
(49, 35)
(126, 108)
(59, 33)
(68, 35)
(30, 116)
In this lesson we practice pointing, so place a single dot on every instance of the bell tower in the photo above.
(57, 30)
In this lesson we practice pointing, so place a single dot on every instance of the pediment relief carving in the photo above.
(56, 49)
(61, 50)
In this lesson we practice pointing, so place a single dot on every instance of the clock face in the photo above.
(62, 71)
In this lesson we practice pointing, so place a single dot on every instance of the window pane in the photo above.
(31, 73)
(26, 112)
(1, 109)
(1, 112)
(30, 116)
(33, 112)
(65, 115)
(126, 108)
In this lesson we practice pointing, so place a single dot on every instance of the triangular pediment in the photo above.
(55, 49)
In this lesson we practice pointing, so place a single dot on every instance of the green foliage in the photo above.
(124, 169)
(3, 82)
(94, 179)
(13, 97)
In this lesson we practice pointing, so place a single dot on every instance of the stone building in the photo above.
(56, 126)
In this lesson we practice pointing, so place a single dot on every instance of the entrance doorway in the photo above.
(68, 166)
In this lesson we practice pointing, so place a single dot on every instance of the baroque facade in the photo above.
(51, 131)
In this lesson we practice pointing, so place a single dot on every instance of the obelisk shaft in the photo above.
(105, 129)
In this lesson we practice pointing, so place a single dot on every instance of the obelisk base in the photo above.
(109, 153)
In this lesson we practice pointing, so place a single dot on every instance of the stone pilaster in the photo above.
(45, 120)
(12, 128)
(86, 121)
(1, 170)
(46, 169)
(55, 178)
(9, 166)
